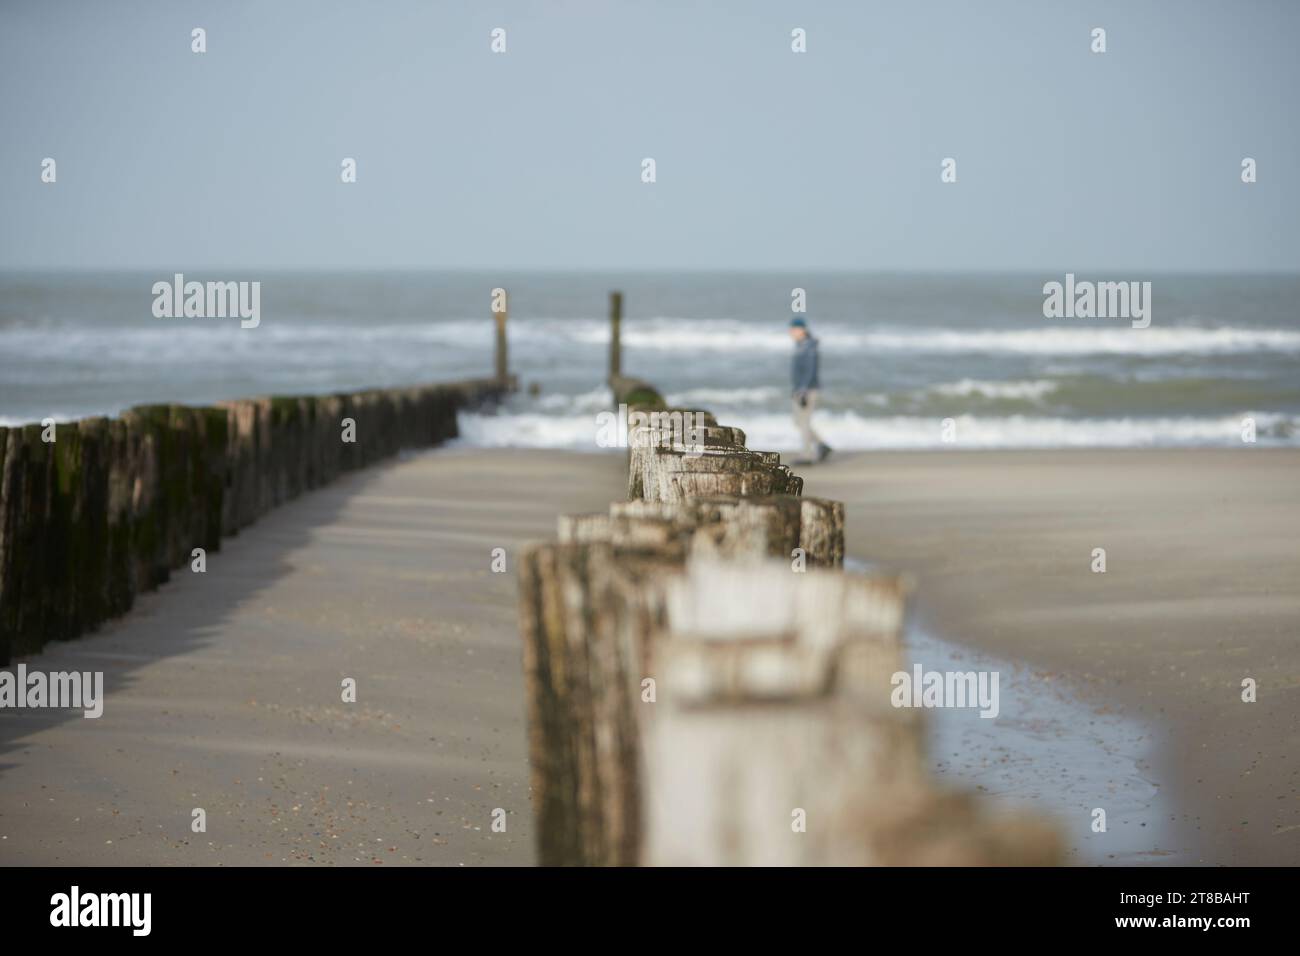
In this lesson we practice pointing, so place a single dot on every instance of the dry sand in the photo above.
(223, 688)
(1201, 590)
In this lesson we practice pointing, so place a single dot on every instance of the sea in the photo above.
(908, 361)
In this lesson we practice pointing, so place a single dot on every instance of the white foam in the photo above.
(529, 430)
(849, 431)
(689, 336)
(1027, 390)
(725, 396)
(596, 400)
(1089, 341)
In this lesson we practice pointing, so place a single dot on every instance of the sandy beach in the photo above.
(1200, 591)
(224, 688)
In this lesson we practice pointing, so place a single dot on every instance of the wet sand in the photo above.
(1201, 590)
(1054, 754)
(224, 688)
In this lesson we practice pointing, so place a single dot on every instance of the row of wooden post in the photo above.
(500, 316)
(95, 511)
(707, 686)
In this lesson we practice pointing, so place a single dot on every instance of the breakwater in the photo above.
(707, 686)
(95, 511)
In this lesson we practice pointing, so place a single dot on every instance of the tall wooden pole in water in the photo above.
(503, 365)
(615, 321)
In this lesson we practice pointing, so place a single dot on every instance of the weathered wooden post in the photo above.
(615, 333)
(615, 336)
(590, 608)
(696, 697)
(775, 740)
(500, 311)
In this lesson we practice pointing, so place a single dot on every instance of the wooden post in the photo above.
(615, 346)
(774, 739)
(503, 364)
(590, 607)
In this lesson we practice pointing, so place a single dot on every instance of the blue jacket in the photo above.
(803, 368)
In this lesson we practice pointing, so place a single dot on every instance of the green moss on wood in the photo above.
(644, 398)
(111, 506)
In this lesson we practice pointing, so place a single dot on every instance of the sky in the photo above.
(765, 158)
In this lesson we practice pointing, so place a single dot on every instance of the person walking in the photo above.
(806, 385)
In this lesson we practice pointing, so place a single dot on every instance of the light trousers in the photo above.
(803, 421)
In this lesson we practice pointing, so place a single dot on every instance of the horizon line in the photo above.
(643, 270)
